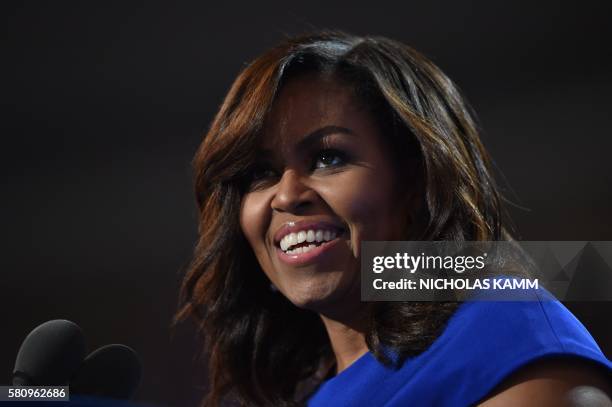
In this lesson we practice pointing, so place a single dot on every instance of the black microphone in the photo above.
(112, 371)
(49, 355)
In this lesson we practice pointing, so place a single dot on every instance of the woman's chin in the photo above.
(313, 300)
(320, 287)
(320, 298)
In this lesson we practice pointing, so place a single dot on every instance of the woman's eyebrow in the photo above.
(315, 136)
(309, 140)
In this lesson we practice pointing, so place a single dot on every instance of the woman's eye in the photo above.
(329, 158)
(259, 176)
(261, 173)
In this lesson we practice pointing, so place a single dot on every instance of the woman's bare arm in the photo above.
(555, 382)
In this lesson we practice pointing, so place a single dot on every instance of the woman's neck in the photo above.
(347, 338)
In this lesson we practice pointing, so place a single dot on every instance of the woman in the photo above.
(323, 142)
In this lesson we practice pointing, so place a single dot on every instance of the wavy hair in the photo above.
(261, 348)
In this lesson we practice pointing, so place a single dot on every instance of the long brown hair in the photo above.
(260, 346)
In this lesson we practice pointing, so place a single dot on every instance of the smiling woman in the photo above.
(328, 174)
(324, 142)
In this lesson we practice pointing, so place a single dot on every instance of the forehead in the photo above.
(308, 103)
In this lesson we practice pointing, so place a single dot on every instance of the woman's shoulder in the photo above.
(483, 344)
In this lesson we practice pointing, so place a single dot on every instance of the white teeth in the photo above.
(284, 245)
(310, 236)
(302, 236)
(303, 249)
(319, 235)
(292, 239)
(308, 248)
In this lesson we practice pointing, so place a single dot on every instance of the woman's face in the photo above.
(324, 183)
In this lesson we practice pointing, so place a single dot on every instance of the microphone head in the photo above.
(112, 371)
(50, 354)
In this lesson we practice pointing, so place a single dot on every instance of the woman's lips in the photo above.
(311, 256)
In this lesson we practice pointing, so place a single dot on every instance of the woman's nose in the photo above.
(291, 193)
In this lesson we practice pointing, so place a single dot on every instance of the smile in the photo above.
(304, 241)
(307, 253)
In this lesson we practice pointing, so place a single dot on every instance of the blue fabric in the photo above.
(482, 344)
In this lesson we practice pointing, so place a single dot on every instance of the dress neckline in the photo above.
(350, 368)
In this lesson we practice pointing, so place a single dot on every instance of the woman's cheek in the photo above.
(358, 200)
(254, 218)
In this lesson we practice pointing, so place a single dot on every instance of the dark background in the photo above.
(104, 105)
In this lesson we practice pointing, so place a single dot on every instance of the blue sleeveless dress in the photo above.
(483, 342)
